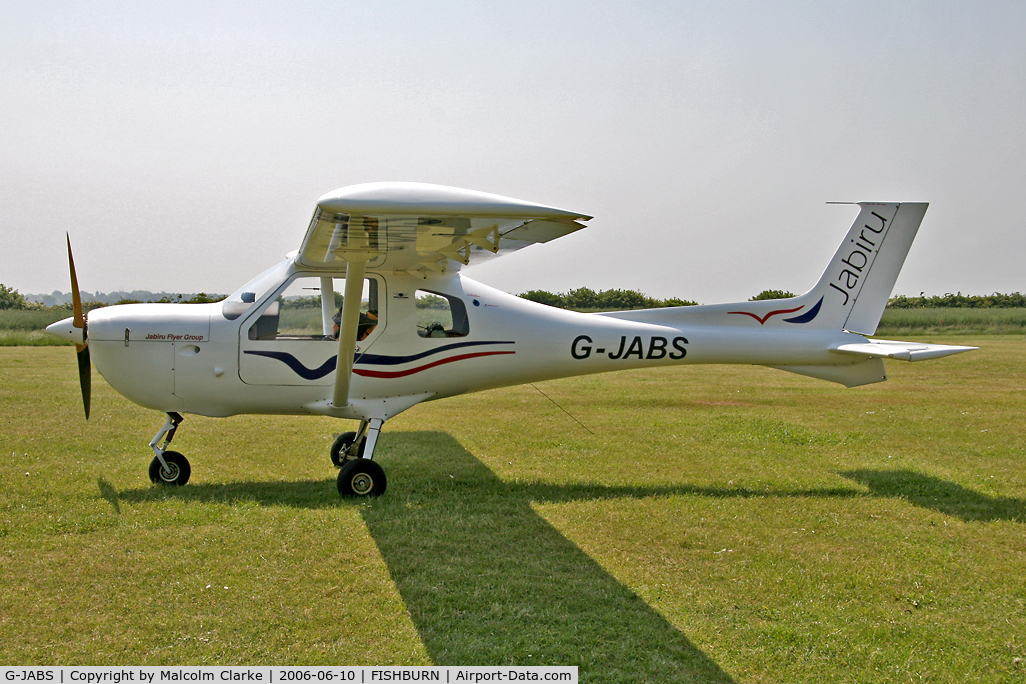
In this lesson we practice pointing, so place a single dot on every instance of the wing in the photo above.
(421, 228)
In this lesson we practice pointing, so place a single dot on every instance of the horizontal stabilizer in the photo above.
(903, 351)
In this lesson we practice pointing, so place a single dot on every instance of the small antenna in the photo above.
(561, 408)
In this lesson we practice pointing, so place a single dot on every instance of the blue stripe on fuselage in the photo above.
(364, 359)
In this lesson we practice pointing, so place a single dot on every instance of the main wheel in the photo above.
(361, 477)
(341, 444)
(177, 472)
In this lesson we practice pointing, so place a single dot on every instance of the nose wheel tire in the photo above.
(361, 477)
(175, 475)
(341, 445)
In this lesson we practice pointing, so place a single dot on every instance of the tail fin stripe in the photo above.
(808, 315)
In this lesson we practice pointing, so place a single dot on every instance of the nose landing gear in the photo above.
(168, 467)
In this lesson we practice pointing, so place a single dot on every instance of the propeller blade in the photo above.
(85, 377)
(79, 321)
(76, 297)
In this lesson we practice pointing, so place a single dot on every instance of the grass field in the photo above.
(26, 328)
(722, 524)
(952, 321)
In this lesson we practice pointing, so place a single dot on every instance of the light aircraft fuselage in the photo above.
(190, 358)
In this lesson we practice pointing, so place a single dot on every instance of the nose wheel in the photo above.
(174, 471)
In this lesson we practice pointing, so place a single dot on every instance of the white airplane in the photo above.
(412, 328)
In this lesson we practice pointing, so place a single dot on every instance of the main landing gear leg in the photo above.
(168, 467)
(361, 476)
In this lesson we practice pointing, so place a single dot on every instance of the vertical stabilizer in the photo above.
(855, 287)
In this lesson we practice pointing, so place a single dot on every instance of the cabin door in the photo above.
(293, 338)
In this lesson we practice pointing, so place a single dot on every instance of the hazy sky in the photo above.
(183, 145)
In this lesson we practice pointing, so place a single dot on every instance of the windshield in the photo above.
(240, 301)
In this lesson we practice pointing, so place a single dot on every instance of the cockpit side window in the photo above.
(310, 308)
(441, 315)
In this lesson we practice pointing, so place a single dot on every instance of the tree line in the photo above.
(10, 298)
(586, 298)
(1015, 300)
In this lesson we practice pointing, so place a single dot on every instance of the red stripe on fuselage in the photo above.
(766, 318)
(400, 374)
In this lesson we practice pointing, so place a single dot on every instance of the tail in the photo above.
(851, 294)
(853, 290)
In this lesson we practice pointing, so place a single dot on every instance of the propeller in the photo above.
(79, 321)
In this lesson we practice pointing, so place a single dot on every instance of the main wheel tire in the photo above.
(361, 477)
(341, 444)
(175, 475)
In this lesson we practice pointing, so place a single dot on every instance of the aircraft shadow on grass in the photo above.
(939, 495)
(485, 578)
(488, 580)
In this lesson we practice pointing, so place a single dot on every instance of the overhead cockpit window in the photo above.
(441, 315)
(310, 308)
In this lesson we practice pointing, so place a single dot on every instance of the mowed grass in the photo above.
(706, 524)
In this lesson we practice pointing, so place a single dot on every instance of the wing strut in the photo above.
(327, 305)
(347, 331)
